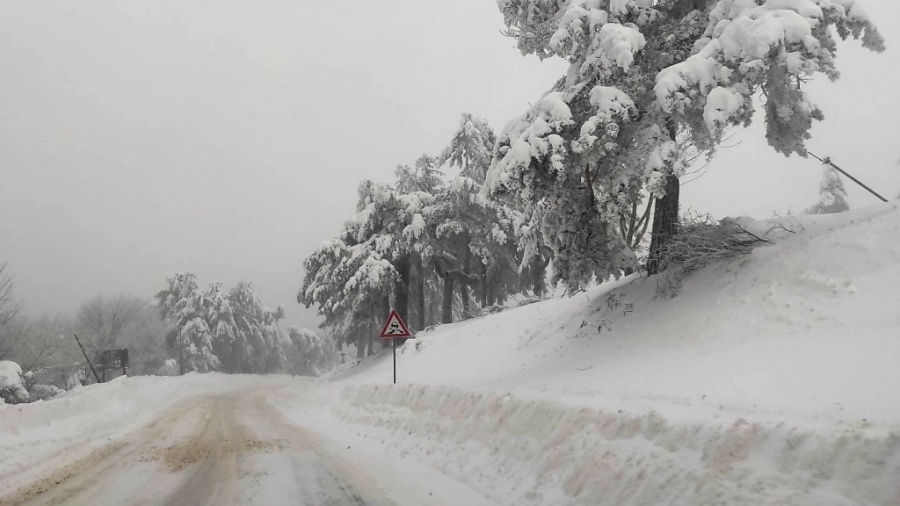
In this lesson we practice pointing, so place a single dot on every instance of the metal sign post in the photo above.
(394, 328)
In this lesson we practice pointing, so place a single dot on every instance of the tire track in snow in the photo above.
(226, 449)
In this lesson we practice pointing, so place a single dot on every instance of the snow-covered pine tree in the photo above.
(326, 274)
(311, 353)
(351, 278)
(261, 341)
(642, 73)
(396, 221)
(463, 217)
(220, 318)
(424, 176)
(832, 195)
(471, 149)
(214, 331)
(535, 255)
(474, 246)
(413, 245)
(183, 303)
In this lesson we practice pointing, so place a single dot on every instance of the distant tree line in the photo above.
(184, 328)
(214, 330)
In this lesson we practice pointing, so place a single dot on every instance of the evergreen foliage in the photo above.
(832, 195)
(425, 245)
(644, 77)
(215, 331)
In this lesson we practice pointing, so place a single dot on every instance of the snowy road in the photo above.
(224, 449)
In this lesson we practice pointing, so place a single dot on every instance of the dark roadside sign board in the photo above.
(395, 328)
(112, 361)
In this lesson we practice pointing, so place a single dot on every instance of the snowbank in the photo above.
(770, 379)
(803, 331)
(539, 452)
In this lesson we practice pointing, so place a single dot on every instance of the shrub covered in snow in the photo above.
(12, 384)
(169, 368)
(42, 392)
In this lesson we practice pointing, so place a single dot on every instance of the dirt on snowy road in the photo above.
(217, 450)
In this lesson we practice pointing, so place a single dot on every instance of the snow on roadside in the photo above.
(541, 452)
(771, 379)
(515, 451)
(803, 331)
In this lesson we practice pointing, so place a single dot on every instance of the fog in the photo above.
(227, 138)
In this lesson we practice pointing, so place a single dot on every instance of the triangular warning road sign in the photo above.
(394, 327)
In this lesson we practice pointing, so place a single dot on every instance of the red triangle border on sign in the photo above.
(395, 316)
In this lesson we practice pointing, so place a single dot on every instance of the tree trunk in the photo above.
(384, 311)
(419, 294)
(484, 285)
(665, 215)
(539, 275)
(464, 293)
(447, 306)
(401, 288)
(360, 346)
(463, 282)
(665, 224)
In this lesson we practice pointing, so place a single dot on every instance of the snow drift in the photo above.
(519, 451)
(771, 379)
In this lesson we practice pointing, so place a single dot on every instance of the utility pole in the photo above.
(827, 161)
(86, 358)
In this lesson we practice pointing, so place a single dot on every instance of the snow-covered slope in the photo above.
(771, 379)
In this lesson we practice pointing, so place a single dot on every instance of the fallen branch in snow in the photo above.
(701, 241)
(780, 225)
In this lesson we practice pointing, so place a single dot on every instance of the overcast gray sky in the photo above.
(139, 138)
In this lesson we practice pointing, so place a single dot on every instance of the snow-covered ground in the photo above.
(200, 439)
(805, 331)
(771, 379)
(35, 438)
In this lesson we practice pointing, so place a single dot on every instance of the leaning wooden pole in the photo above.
(828, 161)
(97, 377)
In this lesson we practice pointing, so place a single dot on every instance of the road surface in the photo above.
(216, 450)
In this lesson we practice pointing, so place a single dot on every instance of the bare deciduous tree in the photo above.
(10, 328)
(8, 307)
(101, 321)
